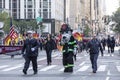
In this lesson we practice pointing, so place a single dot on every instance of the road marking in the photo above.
(59, 57)
(61, 69)
(82, 63)
(118, 68)
(12, 68)
(102, 68)
(107, 78)
(3, 66)
(32, 67)
(48, 68)
(84, 68)
(108, 73)
(46, 58)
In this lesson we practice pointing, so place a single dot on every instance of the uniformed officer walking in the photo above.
(93, 46)
(31, 47)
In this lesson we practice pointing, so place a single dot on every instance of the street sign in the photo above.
(39, 19)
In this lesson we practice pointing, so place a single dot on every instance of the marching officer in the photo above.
(94, 45)
(31, 47)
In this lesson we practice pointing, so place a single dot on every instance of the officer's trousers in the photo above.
(27, 62)
(49, 53)
(93, 58)
(68, 61)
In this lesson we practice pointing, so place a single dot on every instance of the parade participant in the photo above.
(69, 47)
(49, 46)
(109, 43)
(93, 46)
(31, 47)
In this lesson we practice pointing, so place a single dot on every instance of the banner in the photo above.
(8, 49)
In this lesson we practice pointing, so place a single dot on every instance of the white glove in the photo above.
(75, 51)
(32, 49)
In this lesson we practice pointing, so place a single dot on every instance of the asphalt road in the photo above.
(108, 68)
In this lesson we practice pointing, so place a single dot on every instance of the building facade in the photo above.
(52, 11)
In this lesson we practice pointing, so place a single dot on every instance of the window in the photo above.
(29, 10)
(49, 4)
(25, 13)
(29, 6)
(14, 10)
(50, 15)
(15, 15)
(44, 10)
(45, 0)
(45, 4)
(29, 15)
(45, 15)
(14, 5)
(40, 4)
(0, 5)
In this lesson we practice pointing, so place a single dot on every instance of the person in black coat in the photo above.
(112, 44)
(103, 41)
(94, 46)
(109, 43)
(49, 46)
(31, 46)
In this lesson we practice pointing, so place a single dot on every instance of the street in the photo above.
(108, 68)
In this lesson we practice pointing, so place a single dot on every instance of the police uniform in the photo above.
(31, 48)
(94, 45)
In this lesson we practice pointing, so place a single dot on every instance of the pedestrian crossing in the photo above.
(82, 67)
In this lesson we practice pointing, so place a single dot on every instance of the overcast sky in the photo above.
(111, 6)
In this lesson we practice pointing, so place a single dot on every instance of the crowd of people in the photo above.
(49, 43)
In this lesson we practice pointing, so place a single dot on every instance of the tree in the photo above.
(86, 30)
(24, 25)
(6, 19)
(116, 18)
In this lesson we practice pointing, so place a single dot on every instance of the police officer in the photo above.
(31, 47)
(94, 45)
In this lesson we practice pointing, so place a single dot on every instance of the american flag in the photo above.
(13, 34)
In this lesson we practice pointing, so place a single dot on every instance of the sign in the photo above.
(39, 19)
(8, 49)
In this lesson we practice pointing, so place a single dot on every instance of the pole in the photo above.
(91, 16)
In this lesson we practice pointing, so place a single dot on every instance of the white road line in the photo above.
(41, 59)
(12, 68)
(108, 72)
(84, 68)
(82, 63)
(32, 67)
(48, 68)
(102, 68)
(118, 68)
(45, 57)
(108, 78)
(61, 69)
(58, 57)
(4, 66)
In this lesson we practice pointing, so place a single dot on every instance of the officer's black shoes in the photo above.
(49, 63)
(35, 73)
(94, 71)
(68, 70)
(25, 72)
